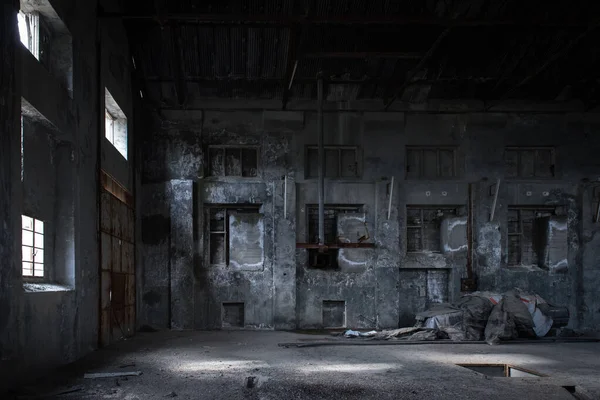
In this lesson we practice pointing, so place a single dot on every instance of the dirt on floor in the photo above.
(251, 365)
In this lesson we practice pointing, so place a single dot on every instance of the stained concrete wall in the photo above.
(56, 322)
(393, 285)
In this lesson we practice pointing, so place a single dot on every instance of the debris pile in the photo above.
(477, 316)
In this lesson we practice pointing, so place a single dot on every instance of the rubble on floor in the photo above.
(479, 316)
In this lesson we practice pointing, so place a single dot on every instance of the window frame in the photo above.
(520, 150)
(421, 209)
(34, 247)
(339, 149)
(330, 253)
(224, 149)
(108, 116)
(438, 150)
(520, 234)
(227, 208)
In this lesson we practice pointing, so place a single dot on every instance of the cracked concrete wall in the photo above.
(393, 285)
(56, 323)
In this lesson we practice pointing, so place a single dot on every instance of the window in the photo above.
(233, 161)
(526, 234)
(32, 247)
(235, 236)
(327, 259)
(29, 31)
(115, 124)
(340, 162)
(529, 162)
(423, 228)
(430, 162)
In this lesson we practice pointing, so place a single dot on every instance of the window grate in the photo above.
(525, 233)
(32, 242)
(327, 259)
(423, 227)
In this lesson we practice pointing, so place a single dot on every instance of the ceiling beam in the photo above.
(410, 76)
(304, 80)
(388, 19)
(553, 58)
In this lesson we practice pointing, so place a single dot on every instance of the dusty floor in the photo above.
(216, 365)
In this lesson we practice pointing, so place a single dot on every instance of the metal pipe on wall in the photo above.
(321, 161)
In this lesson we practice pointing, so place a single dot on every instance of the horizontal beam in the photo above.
(288, 20)
(335, 246)
(377, 81)
(368, 54)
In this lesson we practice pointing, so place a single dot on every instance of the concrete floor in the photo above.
(215, 365)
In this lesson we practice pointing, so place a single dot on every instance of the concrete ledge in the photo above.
(31, 287)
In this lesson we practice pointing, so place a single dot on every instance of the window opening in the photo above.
(233, 161)
(525, 234)
(340, 162)
(529, 162)
(430, 162)
(328, 258)
(423, 227)
(29, 31)
(32, 243)
(115, 124)
(218, 231)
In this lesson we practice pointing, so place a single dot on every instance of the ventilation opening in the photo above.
(334, 314)
(233, 315)
(502, 370)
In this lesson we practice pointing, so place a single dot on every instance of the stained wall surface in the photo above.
(384, 286)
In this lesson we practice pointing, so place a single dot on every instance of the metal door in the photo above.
(117, 272)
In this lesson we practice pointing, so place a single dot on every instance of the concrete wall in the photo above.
(391, 285)
(55, 321)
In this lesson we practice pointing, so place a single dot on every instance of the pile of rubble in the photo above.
(479, 316)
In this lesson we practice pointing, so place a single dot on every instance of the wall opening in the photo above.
(233, 315)
(334, 314)
(423, 227)
(234, 236)
(46, 36)
(328, 259)
(340, 162)
(115, 124)
(233, 161)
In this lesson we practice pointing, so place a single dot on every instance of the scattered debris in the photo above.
(350, 333)
(55, 393)
(251, 382)
(96, 375)
(172, 394)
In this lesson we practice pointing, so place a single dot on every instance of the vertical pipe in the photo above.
(321, 162)
(285, 197)
(390, 200)
(495, 200)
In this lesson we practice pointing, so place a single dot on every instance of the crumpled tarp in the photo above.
(476, 316)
